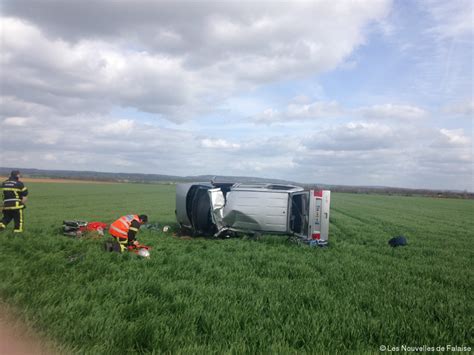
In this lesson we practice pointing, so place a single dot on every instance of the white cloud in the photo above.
(49, 136)
(119, 162)
(121, 127)
(269, 115)
(453, 137)
(314, 110)
(354, 136)
(462, 108)
(392, 111)
(17, 121)
(331, 109)
(452, 19)
(300, 111)
(218, 144)
(90, 76)
(76, 78)
(173, 63)
(13, 106)
(261, 166)
(50, 157)
(352, 153)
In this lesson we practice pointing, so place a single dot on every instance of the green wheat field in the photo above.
(265, 295)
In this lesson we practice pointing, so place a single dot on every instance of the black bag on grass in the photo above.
(399, 241)
(72, 228)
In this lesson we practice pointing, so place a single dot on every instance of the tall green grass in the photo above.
(243, 295)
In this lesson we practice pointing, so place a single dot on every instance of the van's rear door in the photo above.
(309, 215)
(319, 203)
(299, 214)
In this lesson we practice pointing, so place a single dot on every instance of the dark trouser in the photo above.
(16, 215)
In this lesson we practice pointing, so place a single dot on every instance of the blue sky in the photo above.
(373, 92)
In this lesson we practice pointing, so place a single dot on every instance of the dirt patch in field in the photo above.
(62, 181)
(16, 338)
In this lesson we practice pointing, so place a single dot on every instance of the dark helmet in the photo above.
(15, 174)
(143, 218)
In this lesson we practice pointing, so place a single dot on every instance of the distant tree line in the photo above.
(398, 191)
(171, 179)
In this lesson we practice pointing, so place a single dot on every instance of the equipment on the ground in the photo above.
(144, 253)
(72, 228)
(140, 250)
(112, 245)
(78, 228)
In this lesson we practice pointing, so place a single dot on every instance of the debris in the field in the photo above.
(77, 228)
(75, 257)
(399, 241)
(152, 226)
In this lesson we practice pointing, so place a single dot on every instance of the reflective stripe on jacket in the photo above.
(121, 226)
(13, 193)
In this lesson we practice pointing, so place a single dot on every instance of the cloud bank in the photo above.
(152, 87)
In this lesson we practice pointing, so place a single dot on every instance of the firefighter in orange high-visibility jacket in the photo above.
(126, 228)
(14, 199)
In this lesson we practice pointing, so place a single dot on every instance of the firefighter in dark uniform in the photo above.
(14, 198)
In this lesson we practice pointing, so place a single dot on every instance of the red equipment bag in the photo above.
(98, 227)
(136, 248)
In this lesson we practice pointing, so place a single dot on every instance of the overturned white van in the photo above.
(218, 209)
